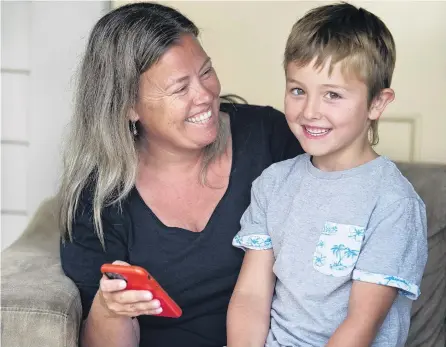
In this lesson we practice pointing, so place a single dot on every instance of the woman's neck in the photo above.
(161, 161)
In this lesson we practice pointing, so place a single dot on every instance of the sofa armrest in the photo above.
(40, 305)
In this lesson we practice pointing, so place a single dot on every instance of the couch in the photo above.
(41, 307)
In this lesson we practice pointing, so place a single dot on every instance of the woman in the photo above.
(157, 174)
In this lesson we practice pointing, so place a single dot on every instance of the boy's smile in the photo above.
(315, 132)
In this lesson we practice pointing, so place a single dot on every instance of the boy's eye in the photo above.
(333, 96)
(297, 91)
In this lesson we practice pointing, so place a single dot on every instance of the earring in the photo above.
(134, 130)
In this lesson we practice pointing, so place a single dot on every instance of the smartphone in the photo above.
(138, 278)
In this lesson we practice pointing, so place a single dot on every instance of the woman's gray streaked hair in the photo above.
(101, 152)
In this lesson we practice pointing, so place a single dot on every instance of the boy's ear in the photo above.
(380, 102)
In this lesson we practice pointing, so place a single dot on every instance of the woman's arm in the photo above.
(249, 309)
(110, 319)
(107, 308)
(101, 328)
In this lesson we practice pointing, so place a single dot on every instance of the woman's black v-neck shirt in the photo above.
(198, 270)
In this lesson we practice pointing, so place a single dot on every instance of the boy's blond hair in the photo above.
(350, 35)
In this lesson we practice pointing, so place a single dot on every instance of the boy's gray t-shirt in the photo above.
(328, 229)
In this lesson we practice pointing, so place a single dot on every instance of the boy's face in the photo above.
(329, 114)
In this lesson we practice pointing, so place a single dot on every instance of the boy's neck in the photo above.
(344, 160)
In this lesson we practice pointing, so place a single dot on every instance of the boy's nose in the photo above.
(311, 110)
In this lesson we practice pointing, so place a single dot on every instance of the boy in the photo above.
(335, 239)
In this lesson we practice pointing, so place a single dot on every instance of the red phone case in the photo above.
(138, 278)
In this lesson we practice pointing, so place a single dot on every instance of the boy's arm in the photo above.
(391, 262)
(368, 307)
(249, 309)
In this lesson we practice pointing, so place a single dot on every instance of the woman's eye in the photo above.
(207, 72)
(297, 91)
(333, 96)
(181, 90)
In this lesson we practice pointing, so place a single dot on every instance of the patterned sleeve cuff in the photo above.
(410, 290)
(254, 241)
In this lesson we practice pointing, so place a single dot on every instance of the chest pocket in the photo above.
(338, 248)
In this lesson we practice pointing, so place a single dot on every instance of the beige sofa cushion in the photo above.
(40, 305)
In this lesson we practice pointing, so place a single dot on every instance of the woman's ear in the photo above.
(380, 102)
(133, 116)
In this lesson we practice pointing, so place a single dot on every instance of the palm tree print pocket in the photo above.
(338, 249)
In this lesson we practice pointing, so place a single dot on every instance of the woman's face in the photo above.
(178, 100)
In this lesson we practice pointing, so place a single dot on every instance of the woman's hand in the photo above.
(121, 302)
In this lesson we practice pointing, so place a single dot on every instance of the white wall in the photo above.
(15, 82)
(41, 45)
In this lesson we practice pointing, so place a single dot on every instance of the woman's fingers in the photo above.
(136, 308)
(109, 286)
(131, 296)
(113, 285)
(120, 262)
(130, 303)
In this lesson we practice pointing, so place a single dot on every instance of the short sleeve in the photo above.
(394, 252)
(253, 233)
(284, 145)
(83, 257)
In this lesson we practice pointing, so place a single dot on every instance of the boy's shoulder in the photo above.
(282, 170)
(393, 185)
(285, 167)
